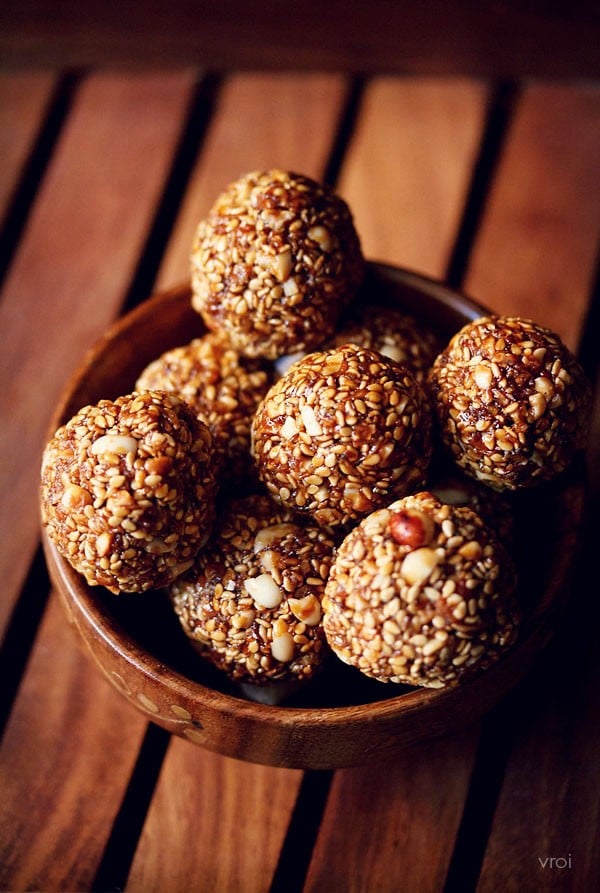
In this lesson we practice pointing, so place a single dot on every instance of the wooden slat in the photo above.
(536, 257)
(215, 823)
(550, 802)
(70, 275)
(406, 178)
(65, 761)
(71, 740)
(399, 821)
(239, 819)
(409, 167)
(262, 121)
(537, 246)
(432, 36)
(24, 99)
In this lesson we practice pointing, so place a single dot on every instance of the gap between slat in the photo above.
(121, 845)
(21, 633)
(190, 144)
(588, 353)
(296, 852)
(345, 130)
(15, 219)
(501, 107)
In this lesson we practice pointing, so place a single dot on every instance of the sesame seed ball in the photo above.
(252, 602)
(341, 433)
(128, 490)
(421, 593)
(511, 400)
(393, 333)
(222, 387)
(494, 507)
(274, 263)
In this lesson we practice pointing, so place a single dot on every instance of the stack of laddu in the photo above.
(326, 409)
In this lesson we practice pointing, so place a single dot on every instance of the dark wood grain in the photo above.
(527, 39)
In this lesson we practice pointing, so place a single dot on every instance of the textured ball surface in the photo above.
(252, 602)
(420, 593)
(128, 490)
(391, 332)
(341, 433)
(274, 263)
(222, 387)
(511, 400)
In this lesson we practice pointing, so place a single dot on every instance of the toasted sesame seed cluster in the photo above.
(420, 590)
(128, 490)
(252, 603)
(222, 387)
(494, 507)
(392, 333)
(511, 400)
(342, 433)
(274, 263)
(421, 593)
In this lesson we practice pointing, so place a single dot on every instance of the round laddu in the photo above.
(222, 387)
(391, 332)
(342, 433)
(494, 507)
(511, 400)
(421, 593)
(128, 489)
(252, 602)
(274, 263)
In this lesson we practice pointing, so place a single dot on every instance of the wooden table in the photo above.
(492, 186)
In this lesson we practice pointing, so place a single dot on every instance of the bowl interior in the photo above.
(137, 642)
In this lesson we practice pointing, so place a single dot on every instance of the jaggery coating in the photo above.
(393, 333)
(222, 387)
(511, 400)
(252, 602)
(274, 263)
(494, 507)
(342, 433)
(128, 489)
(421, 593)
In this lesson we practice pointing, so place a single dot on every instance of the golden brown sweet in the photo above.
(252, 602)
(421, 592)
(511, 400)
(222, 387)
(274, 263)
(341, 433)
(393, 333)
(128, 490)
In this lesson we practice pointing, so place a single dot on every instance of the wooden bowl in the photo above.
(341, 718)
